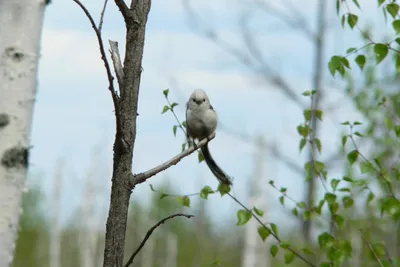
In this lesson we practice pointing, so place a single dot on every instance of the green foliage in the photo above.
(243, 217)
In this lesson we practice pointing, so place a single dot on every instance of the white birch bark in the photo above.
(255, 252)
(55, 233)
(20, 31)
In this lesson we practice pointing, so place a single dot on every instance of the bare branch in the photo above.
(123, 8)
(298, 22)
(143, 176)
(115, 57)
(102, 15)
(132, 257)
(264, 70)
(106, 65)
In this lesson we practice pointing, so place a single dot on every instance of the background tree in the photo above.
(19, 53)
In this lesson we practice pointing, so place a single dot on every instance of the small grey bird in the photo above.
(201, 122)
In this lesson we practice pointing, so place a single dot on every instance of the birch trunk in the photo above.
(20, 32)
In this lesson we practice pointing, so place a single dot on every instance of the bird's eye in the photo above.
(204, 100)
(194, 100)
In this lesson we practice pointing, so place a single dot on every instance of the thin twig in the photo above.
(143, 176)
(271, 232)
(370, 248)
(116, 59)
(106, 65)
(132, 257)
(102, 15)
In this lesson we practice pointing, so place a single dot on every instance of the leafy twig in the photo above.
(132, 257)
(372, 250)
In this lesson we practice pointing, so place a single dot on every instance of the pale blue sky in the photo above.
(74, 112)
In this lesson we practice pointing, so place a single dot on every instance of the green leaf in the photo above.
(184, 201)
(165, 109)
(380, 2)
(303, 142)
(396, 26)
(326, 241)
(223, 189)
(330, 198)
(360, 60)
(343, 20)
(274, 229)
(283, 190)
(352, 20)
(334, 184)
(295, 212)
(370, 197)
(347, 201)
(306, 93)
(206, 191)
(307, 114)
(152, 188)
(263, 232)
(174, 129)
(183, 147)
(301, 205)
(344, 140)
(356, 3)
(243, 217)
(306, 215)
(289, 257)
(173, 105)
(393, 9)
(339, 221)
(274, 250)
(381, 51)
(366, 167)
(200, 156)
(318, 114)
(318, 144)
(397, 127)
(304, 130)
(163, 195)
(184, 124)
(352, 156)
(308, 251)
(165, 92)
(258, 212)
(351, 50)
(282, 200)
(284, 245)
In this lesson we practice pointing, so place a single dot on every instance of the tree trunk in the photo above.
(126, 135)
(20, 32)
(317, 85)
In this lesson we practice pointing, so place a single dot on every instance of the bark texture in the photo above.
(135, 19)
(20, 31)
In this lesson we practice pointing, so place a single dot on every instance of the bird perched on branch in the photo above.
(201, 122)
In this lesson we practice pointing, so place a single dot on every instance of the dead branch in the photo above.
(143, 176)
(148, 234)
(116, 59)
(106, 65)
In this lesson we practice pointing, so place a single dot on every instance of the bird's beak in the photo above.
(198, 102)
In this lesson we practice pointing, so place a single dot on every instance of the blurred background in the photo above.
(254, 58)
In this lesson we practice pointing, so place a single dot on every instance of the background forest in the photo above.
(328, 180)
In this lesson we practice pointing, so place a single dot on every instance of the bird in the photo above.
(201, 122)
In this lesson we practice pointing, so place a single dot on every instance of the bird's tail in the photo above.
(215, 169)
